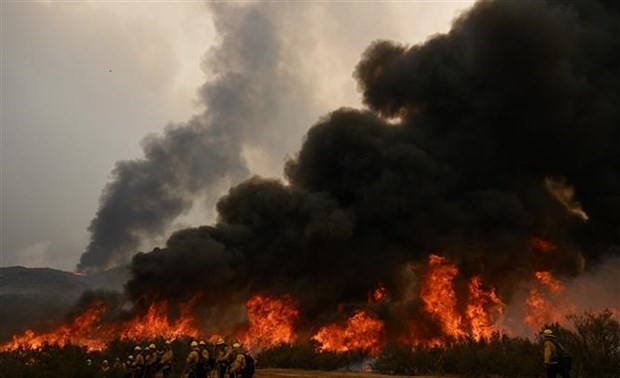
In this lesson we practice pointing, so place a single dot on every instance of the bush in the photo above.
(499, 355)
(304, 355)
(594, 344)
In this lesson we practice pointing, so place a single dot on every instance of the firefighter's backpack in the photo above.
(564, 358)
(250, 366)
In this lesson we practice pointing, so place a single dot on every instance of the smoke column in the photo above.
(247, 96)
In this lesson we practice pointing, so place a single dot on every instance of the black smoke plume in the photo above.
(507, 127)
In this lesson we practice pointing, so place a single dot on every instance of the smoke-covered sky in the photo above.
(83, 84)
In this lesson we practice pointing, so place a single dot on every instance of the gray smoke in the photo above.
(246, 91)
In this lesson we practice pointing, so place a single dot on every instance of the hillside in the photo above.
(36, 297)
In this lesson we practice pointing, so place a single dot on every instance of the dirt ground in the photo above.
(288, 373)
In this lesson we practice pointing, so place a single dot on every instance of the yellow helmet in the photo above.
(152, 346)
(130, 357)
(193, 344)
(137, 348)
(202, 342)
(220, 341)
(547, 332)
(236, 345)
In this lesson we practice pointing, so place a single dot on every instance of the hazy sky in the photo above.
(84, 82)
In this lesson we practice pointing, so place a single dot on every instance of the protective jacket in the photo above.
(223, 354)
(192, 359)
(138, 361)
(238, 364)
(551, 352)
(167, 358)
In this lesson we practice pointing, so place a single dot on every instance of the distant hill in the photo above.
(36, 297)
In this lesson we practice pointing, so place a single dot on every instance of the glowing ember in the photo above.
(546, 302)
(82, 331)
(271, 322)
(482, 306)
(541, 245)
(378, 295)
(362, 331)
(439, 297)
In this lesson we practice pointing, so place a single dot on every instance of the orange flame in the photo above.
(87, 330)
(362, 331)
(481, 307)
(546, 302)
(541, 245)
(439, 297)
(155, 323)
(82, 331)
(271, 322)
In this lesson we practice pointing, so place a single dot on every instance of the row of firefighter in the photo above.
(204, 360)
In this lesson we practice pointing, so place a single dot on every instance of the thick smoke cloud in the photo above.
(246, 92)
(452, 156)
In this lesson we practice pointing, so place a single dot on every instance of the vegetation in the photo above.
(306, 356)
(53, 361)
(593, 341)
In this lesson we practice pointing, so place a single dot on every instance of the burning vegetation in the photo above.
(495, 145)
(274, 320)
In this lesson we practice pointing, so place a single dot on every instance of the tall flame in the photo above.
(271, 322)
(546, 302)
(155, 323)
(438, 295)
(482, 307)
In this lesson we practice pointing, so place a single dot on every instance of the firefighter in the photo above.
(223, 356)
(127, 369)
(191, 362)
(553, 351)
(204, 363)
(137, 366)
(152, 361)
(105, 368)
(129, 361)
(238, 365)
(147, 355)
(167, 359)
(117, 363)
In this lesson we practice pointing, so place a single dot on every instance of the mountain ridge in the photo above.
(40, 297)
